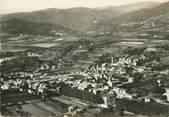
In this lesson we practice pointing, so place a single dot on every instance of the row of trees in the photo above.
(80, 94)
(15, 95)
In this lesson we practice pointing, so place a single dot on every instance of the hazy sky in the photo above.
(9, 6)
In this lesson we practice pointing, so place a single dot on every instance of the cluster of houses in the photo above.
(6, 59)
(99, 79)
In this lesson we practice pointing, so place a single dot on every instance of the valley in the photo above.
(84, 62)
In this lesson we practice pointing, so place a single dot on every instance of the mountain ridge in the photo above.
(83, 19)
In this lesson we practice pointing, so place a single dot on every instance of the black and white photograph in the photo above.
(84, 58)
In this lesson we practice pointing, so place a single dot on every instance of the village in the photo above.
(102, 84)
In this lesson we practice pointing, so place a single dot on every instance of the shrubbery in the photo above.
(20, 63)
(142, 108)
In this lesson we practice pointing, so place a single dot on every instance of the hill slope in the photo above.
(145, 14)
(17, 26)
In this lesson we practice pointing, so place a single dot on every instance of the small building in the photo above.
(151, 50)
(167, 93)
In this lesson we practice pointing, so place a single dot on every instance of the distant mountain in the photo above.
(75, 18)
(81, 19)
(145, 14)
(17, 26)
(129, 7)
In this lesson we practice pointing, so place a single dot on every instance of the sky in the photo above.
(10, 6)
